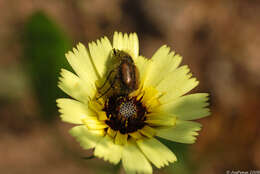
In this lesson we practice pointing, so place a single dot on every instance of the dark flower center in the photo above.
(125, 114)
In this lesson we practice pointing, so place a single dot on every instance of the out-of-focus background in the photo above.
(218, 39)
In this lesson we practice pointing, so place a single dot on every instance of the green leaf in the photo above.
(44, 47)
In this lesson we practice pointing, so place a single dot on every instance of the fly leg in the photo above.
(111, 86)
(107, 79)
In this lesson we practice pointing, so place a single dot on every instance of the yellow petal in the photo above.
(161, 119)
(182, 132)
(128, 43)
(189, 107)
(73, 111)
(95, 106)
(156, 152)
(136, 135)
(121, 139)
(100, 53)
(82, 63)
(75, 87)
(134, 44)
(111, 132)
(87, 138)
(150, 98)
(176, 84)
(161, 64)
(108, 150)
(102, 116)
(94, 123)
(148, 131)
(134, 161)
(141, 63)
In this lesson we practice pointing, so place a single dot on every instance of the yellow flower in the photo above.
(124, 127)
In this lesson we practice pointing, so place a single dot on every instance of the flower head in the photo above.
(123, 101)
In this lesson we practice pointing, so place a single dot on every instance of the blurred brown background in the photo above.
(218, 39)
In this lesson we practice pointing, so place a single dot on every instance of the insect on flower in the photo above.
(123, 101)
(123, 78)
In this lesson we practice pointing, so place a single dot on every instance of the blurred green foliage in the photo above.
(44, 47)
